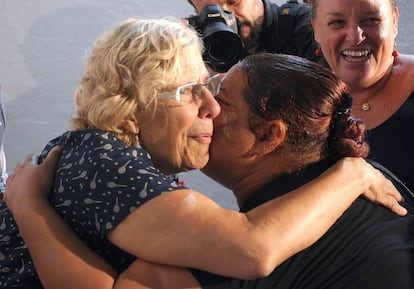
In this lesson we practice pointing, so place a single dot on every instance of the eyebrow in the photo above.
(335, 14)
(368, 11)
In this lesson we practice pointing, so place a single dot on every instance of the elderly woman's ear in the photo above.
(270, 134)
(130, 125)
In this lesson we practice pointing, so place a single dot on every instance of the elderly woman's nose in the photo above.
(209, 108)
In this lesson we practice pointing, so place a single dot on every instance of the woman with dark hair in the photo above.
(284, 120)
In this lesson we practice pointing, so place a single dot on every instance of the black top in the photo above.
(287, 29)
(392, 143)
(368, 247)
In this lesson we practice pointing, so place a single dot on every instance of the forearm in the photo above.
(61, 259)
(188, 229)
(303, 216)
(200, 234)
(144, 275)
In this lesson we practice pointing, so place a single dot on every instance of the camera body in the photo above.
(219, 31)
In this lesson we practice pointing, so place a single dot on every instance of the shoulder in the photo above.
(294, 8)
(404, 72)
(405, 64)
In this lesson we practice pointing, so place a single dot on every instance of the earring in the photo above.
(395, 53)
(318, 51)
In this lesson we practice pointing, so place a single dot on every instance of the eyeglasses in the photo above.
(191, 92)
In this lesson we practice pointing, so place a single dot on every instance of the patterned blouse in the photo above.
(99, 181)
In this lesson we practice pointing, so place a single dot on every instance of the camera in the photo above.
(219, 31)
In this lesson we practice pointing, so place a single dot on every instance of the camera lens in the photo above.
(223, 47)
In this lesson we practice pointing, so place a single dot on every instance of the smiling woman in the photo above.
(359, 41)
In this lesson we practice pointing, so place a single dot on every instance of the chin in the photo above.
(198, 164)
(355, 81)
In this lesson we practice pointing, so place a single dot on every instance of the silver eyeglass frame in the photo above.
(176, 95)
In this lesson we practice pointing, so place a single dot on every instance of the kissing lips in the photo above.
(202, 137)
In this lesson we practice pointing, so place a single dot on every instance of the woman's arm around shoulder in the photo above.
(185, 228)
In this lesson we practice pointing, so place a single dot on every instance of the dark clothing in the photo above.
(369, 247)
(99, 181)
(392, 143)
(287, 29)
(30, 284)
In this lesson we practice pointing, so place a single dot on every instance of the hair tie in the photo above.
(340, 116)
(344, 107)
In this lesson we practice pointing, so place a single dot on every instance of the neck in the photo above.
(365, 95)
(258, 174)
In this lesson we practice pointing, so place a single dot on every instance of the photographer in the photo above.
(263, 26)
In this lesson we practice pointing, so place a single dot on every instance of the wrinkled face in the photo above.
(357, 38)
(248, 12)
(178, 135)
(233, 137)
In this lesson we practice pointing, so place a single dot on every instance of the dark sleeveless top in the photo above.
(392, 143)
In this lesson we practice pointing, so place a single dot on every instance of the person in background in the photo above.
(267, 27)
(3, 172)
(269, 151)
(358, 39)
(144, 111)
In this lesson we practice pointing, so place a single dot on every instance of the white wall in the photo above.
(42, 51)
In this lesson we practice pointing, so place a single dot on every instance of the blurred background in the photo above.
(44, 44)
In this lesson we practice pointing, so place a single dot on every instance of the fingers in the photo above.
(393, 204)
(395, 198)
(11, 177)
(9, 180)
(27, 160)
(53, 157)
(392, 198)
(392, 190)
(383, 192)
(31, 180)
(396, 195)
(31, 160)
